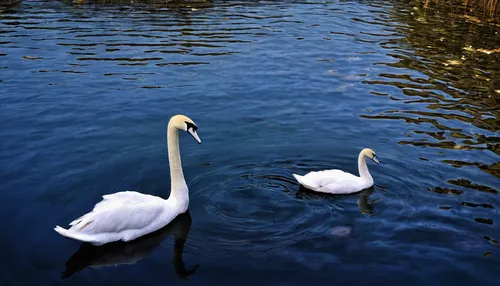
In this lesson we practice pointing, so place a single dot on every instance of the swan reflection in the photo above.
(364, 204)
(118, 253)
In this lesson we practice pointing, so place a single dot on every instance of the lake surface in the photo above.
(276, 87)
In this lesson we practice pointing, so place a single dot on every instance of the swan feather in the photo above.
(119, 221)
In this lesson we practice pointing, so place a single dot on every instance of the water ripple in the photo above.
(269, 220)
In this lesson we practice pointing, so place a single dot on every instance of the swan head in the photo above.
(370, 154)
(185, 123)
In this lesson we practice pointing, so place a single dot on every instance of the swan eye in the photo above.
(191, 129)
(191, 126)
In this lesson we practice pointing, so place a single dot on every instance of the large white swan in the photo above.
(128, 215)
(338, 181)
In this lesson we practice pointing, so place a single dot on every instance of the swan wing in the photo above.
(119, 222)
(118, 218)
(330, 181)
(328, 177)
(128, 196)
(120, 198)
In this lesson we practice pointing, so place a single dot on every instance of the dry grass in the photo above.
(488, 8)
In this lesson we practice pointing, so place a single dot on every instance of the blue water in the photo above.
(276, 87)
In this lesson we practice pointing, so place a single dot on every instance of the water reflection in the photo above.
(6, 3)
(468, 184)
(365, 205)
(444, 82)
(441, 84)
(493, 169)
(181, 8)
(166, 34)
(156, 3)
(8, 6)
(120, 253)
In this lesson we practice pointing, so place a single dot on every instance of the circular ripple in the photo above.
(253, 210)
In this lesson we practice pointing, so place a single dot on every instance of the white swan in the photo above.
(128, 215)
(338, 181)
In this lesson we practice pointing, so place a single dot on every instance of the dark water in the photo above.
(276, 87)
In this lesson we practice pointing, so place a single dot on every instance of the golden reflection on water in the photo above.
(458, 89)
(451, 101)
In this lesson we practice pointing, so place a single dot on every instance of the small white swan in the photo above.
(128, 215)
(338, 181)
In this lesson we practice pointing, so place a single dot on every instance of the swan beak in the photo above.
(376, 160)
(194, 134)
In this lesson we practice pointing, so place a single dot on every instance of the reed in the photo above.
(487, 8)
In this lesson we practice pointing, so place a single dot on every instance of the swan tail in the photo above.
(303, 182)
(64, 232)
(61, 230)
(78, 236)
(298, 178)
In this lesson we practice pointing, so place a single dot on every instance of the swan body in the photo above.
(127, 215)
(338, 181)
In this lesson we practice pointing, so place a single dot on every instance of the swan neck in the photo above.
(363, 168)
(179, 188)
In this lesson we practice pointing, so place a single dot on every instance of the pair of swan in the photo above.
(127, 215)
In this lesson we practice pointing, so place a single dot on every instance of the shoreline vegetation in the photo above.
(472, 9)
